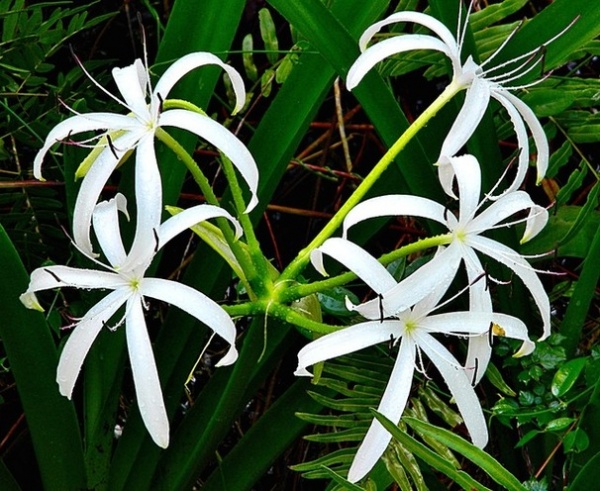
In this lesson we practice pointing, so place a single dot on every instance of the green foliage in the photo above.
(545, 405)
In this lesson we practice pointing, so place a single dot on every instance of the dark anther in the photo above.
(381, 316)
(475, 369)
(156, 239)
(112, 147)
(54, 275)
(491, 334)
(161, 101)
(391, 344)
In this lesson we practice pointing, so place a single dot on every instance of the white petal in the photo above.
(457, 323)
(148, 199)
(468, 118)
(80, 340)
(357, 260)
(79, 124)
(145, 375)
(392, 406)
(468, 177)
(537, 131)
(347, 340)
(108, 232)
(507, 206)
(197, 305)
(459, 385)
(418, 18)
(190, 217)
(479, 351)
(92, 185)
(536, 221)
(434, 276)
(194, 60)
(522, 269)
(394, 205)
(50, 277)
(389, 47)
(132, 82)
(522, 141)
(222, 139)
(511, 327)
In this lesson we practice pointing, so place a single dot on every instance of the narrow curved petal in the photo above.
(79, 124)
(106, 225)
(537, 132)
(190, 217)
(50, 277)
(522, 141)
(459, 385)
(505, 207)
(345, 341)
(511, 327)
(194, 60)
(394, 205)
(467, 120)
(479, 351)
(81, 339)
(92, 185)
(468, 178)
(148, 199)
(132, 82)
(357, 260)
(145, 375)
(392, 46)
(435, 275)
(418, 18)
(522, 269)
(392, 406)
(458, 323)
(536, 221)
(221, 138)
(197, 305)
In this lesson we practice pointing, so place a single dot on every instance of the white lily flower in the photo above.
(124, 277)
(413, 329)
(481, 83)
(467, 242)
(123, 133)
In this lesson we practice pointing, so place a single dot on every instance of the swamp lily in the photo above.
(124, 277)
(123, 133)
(466, 241)
(413, 330)
(480, 81)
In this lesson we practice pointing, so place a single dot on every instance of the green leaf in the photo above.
(333, 301)
(559, 424)
(33, 360)
(268, 34)
(431, 458)
(248, 58)
(582, 296)
(566, 376)
(589, 475)
(548, 102)
(495, 377)
(576, 441)
(479, 457)
(268, 438)
(340, 480)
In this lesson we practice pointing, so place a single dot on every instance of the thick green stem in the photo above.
(200, 179)
(302, 259)
(258, 258)
(280, 311)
